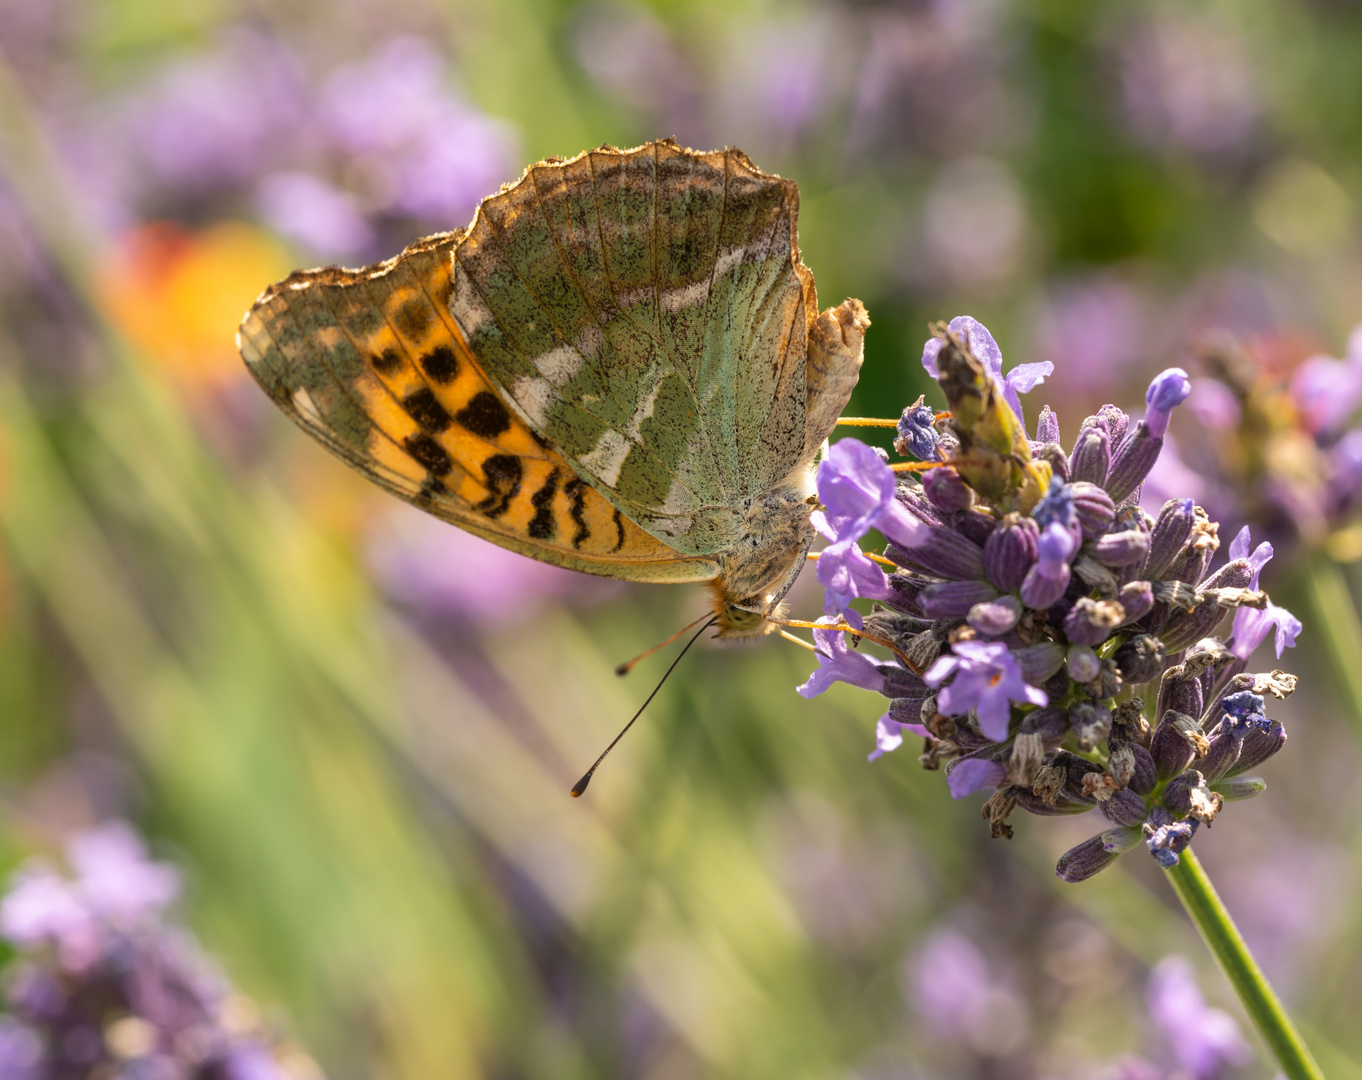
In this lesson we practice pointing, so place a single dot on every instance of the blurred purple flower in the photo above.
(1328, 391)
(1022, 379)
(105, 987)
(958, 996)
(1096, 327)
(838, 663)
(431, 155)
(218, 120)
(422, 563)
(1204, 1039)
(1187, 82)
(1251, 625)
(975, 226)
(315, 213)
(987, 680)
(1213, 404)
(42, 908)
(1171, 478)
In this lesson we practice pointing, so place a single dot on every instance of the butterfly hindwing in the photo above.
(645, 312)
(371, 364)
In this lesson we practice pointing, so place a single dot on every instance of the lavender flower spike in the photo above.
(837, 663)
(1251, 625)
(987, 680)
(1168, 390)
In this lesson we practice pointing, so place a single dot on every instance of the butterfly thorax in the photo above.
(758, 569)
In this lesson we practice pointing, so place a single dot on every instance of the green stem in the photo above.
(1207, 910)
(1340, 630)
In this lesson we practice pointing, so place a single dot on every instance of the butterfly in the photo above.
(619, 367)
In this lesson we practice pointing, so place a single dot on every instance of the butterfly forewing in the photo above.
(371, 364)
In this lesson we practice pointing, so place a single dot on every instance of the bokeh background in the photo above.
(353, 728)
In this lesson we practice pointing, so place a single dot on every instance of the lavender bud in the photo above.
(1050, 723)
(1140, 659)
(1011, 551)
(1117, 422)
(1193, 558)
(953, 599)
(900, 629)
(1221, 754)
(1124, 808)
(1090, 622)
(1093, 855)
(906, 710)
(1186, 628)
(942, 552)
(1238, 788)
(907, 588)
(1054, 456)
(1167, 391)
(1169, 535)
(1174, 744)
(901, 683)
(1046, 806)
(1188, 796)
(1166, 838)
(1093, 507)
(916, 434)
(1123, 548)
(994, 617)
(1145, 776)
(1091, 723)
(1082, 663)
(1259, 745)
(1041, 591)
(1040, 661)
(1047, 426)
(1137, 597)
(1178, 693)
(923, 649)
(1092, 453)
(945, 490)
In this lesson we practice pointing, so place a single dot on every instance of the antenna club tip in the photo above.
(622, 669)
(580, 786)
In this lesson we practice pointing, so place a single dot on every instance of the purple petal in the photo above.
(889, 735)
(972, 774)
(1239, 546)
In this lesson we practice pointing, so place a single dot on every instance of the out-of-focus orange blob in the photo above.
(178, 294)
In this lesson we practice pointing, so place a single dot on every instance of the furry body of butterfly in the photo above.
(619, 367)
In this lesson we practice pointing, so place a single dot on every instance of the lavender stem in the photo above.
(1212, 919)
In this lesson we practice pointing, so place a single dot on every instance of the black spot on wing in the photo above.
(432, 487)
(543, 525)
(429, 453)
(502, 473)
(423, 407)
(387, 362)
(575, 489)
(413, 318)
(484, 415)
(619, 531)
(440, 364)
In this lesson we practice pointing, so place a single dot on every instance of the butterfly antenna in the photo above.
(628, 665)
(580, 785)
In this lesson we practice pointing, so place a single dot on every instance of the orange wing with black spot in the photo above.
(371, 364)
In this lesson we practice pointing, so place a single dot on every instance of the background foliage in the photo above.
(355, 729)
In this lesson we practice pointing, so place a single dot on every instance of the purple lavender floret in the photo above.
(103, 985)
(1033, 618)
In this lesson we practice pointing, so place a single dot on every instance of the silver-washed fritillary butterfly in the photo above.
(619, 367)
